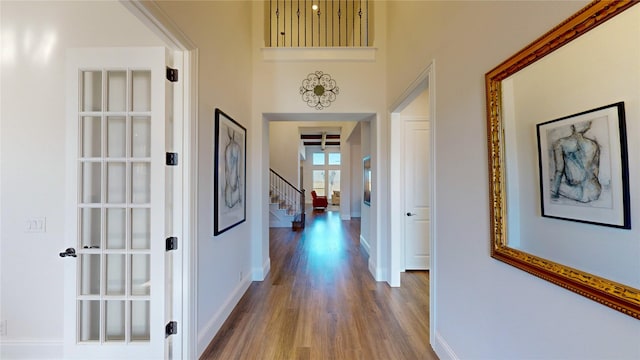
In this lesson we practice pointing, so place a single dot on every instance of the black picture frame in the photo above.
(583, 167)
(230, 173)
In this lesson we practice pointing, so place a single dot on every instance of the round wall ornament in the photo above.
(318, 90)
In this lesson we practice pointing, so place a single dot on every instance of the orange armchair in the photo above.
(319, 201)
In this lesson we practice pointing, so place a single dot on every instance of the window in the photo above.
(334, 181)
(326, 173)
(334, 158)
(318, 158)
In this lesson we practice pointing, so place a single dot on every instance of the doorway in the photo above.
(416, 104)
(356, 140)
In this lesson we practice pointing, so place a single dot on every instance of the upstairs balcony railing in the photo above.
(318, 23)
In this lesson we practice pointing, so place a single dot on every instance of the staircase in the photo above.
(286, 203)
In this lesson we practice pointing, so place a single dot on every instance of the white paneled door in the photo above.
(417, 194)
(117, 273)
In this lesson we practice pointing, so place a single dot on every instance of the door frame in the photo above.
(152, 16)
(425, 80)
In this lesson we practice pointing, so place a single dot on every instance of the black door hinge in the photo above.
(172, 159)
(171, 328)
(172, 243)
(172, 74)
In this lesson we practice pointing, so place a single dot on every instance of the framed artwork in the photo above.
(230, 187)
(366, 174)
(592, 261)
(584, 174)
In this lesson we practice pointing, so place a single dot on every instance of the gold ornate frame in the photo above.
(621, 297)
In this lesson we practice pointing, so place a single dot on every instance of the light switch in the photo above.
(35, 225)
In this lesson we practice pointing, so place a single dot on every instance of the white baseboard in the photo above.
(377, 273)
(258, 274)
(442, 348)
(211, 328)
(32, 349)
(365, 245)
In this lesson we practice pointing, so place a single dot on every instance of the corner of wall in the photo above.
(442, 348)
(365, 245)
(376, 271)
(259, 274)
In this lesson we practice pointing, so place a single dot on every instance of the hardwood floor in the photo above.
(319, 301)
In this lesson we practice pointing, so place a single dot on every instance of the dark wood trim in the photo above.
(318, 137)
(318, 143)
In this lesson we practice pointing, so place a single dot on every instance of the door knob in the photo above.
(69, 252)
(410, 214)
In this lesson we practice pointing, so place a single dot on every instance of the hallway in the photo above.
(319, 301)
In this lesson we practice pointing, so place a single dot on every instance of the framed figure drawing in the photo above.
(584, 173)
(230, 157)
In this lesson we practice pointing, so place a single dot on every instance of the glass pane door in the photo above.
(114, 202)
(334, 183)
(319, 182)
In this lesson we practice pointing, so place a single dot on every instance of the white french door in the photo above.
(326, 173)
(116, 299)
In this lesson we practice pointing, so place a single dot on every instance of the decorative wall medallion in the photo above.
(318, 90)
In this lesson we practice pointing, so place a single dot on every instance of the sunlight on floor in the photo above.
(326, 235)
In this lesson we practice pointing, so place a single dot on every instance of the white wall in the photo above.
(346, 169)
(356, 182)
(486, 309)
(418, 107)
(354, 197)
(284, 142)
(222, 32)
(35, 36)
(365, 210)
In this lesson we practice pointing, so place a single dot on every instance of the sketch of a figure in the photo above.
(577, 164)
(232, 171)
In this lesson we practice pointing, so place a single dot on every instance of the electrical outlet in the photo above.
(241, 275)
(35, 225)
(3, 327)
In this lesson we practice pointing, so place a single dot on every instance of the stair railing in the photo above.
(288, 197)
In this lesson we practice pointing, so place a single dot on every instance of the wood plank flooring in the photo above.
(319, 301)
